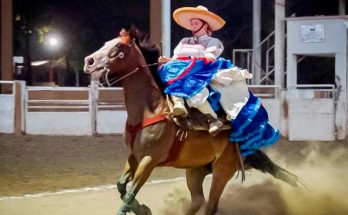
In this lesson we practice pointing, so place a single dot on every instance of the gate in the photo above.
(311, 112)
(58, 111)
(109, 109)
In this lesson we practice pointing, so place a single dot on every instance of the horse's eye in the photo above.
(112, 52)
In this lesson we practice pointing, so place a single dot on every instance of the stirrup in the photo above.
(215, 127)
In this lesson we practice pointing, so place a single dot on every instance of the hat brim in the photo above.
(183, 16)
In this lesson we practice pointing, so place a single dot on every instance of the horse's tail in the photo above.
(260, 161)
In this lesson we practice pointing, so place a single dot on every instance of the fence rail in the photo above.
(79, 110)
(61, 110)
(94, 110)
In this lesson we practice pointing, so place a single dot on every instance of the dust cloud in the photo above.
(322, 165)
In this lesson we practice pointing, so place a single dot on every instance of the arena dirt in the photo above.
(33, 164)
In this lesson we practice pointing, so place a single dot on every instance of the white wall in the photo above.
(111, 122)
(7, 113)
(58, 123)
(273, 108)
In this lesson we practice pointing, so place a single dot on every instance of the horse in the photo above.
(151, 135)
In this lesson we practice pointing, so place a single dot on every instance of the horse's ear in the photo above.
(125, 36)
(123, 32)
(133, 32)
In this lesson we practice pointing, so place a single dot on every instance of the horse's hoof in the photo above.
(144, 210)
(121, 187)
(123, 210)
(121, 213)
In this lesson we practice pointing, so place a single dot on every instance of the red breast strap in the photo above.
(133, 129)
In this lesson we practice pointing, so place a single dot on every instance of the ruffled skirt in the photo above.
(251, 128)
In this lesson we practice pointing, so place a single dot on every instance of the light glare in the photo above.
(53, 41)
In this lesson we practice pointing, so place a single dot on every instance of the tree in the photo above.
(84, 25)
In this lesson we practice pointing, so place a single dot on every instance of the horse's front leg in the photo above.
(128, 173)
(142, 173)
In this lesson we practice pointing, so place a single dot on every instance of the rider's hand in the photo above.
(210, 59)
(163, 59)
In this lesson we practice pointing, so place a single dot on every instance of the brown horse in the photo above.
(151, 135)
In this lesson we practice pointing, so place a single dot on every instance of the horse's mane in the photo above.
(150, 51)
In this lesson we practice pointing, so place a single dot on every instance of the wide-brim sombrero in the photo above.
(182, 16)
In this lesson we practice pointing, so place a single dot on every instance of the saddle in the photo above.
(196, 121)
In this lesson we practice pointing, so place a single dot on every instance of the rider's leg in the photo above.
(200, 102)
(179, 108)
(215, 124)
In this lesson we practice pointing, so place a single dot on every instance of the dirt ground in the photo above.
(32, 164)
(36, 164)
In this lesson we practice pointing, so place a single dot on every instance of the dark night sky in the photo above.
(102, 19)
(87, 24)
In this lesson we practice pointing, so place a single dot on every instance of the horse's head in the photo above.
(114, 59)
(130, 51)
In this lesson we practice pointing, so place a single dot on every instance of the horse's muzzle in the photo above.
(94, 64)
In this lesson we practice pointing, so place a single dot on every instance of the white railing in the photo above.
(94, 110)
(7, 107)
(62, 110)
(58, 110)
(311, 91)
(266, 91)
(246, 58)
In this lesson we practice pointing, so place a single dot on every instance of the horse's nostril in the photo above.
(90, 61)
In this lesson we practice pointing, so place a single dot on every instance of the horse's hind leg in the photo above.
(142, 173)
(223, 169)
(194, 179)
(127, 175)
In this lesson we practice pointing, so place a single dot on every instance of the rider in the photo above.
(200, 48)
(196, 64)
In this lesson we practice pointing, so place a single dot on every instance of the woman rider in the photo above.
(196, 64)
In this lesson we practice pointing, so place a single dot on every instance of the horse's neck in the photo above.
(142, 96)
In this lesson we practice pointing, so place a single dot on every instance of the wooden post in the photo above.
(279, 61)
(6, 41)
(342, 7)
(279, 43)
(93, 108)
(256, 65)
(160, 19)
(20, 111)
(166, 27)
(155, 21)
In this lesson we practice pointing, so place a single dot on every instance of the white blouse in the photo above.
(231, 83)
(204, 46)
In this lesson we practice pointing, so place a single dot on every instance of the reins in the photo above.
(112, 81)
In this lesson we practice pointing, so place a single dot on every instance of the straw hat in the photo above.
(183, 16)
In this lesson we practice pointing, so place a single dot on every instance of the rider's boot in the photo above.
(215, 125)
(179, 108)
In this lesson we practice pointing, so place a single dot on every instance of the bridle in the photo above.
(110, 82)
(115, 80)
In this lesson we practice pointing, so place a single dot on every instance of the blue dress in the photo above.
(186, 77)
(251, 128)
